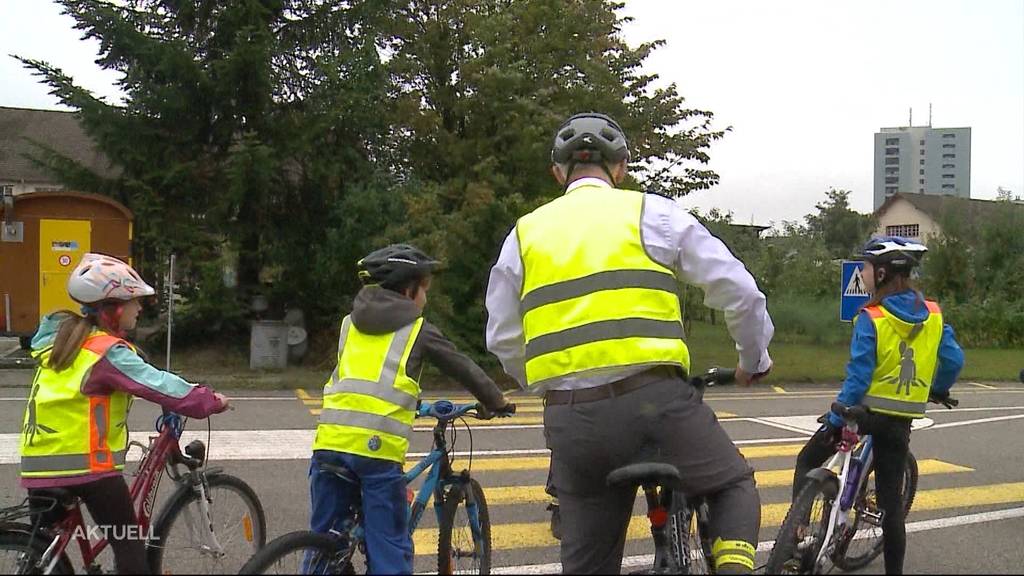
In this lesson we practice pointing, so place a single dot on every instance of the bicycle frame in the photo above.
(843, 459)
(163, 450)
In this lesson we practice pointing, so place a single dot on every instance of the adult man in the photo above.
(583, 308)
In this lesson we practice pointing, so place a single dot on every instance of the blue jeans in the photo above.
(385, 509)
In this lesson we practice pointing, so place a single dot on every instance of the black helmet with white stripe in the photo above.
(395, 266)
(898, 254)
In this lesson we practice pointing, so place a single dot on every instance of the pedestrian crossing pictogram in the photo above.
(855, 287)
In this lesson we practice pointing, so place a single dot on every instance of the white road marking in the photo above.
(979, 421)
(912, 527)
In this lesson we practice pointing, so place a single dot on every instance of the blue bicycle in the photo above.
(464, 527)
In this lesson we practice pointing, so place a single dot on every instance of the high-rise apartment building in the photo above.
(922, 160)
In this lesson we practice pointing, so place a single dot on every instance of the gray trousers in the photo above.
(662, 422)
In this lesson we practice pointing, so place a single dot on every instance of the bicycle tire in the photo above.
(34, 544)
(325, 545)
(848, 563)
(784, 551)
(254, 530)
(688, 543)
(448, 554)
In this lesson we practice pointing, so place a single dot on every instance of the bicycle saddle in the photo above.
(340, 471)
(644, 474)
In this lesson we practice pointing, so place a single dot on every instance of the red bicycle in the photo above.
(211, 524)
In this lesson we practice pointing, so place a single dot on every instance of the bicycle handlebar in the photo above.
(856, 412)
(714, 377)
(444, 410)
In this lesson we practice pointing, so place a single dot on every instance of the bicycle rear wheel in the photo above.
(688, 542)
(464, 538)
(20, 553)
(803, 531)
(865, 540)
(302, 552)
(180, 543)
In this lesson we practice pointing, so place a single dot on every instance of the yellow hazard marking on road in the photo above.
(512, 495)
(779, 389)
(308, 400)
(538, 534)
(541, 462)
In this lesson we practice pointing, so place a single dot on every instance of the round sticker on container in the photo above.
(64, 260)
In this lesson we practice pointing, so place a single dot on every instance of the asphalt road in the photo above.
(968, 518)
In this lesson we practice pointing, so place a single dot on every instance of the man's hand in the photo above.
(506, 410)
(744, 378)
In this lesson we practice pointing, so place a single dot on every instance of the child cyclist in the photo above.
(371, 398)
(74, 435)
(901, 354)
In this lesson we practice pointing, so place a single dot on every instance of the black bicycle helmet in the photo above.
(590, 138)
(395, 266)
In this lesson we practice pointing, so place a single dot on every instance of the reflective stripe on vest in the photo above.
(370, 400)
(592, 298)
(907, 357)
(67, 433)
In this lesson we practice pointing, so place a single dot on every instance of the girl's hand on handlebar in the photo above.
(744, 378)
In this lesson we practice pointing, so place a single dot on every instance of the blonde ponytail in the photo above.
(71, 335)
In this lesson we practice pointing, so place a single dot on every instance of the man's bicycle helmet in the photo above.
(395, 266)
(589, 138)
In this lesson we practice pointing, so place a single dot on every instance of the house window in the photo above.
(892, 141)
(892, 179)
(949, 135)
(922, 142)
(904, 230)
(922, 151)
(949, 145)
(892, 151)
(921, 190)
(890, 189)
(921, 172)
(921, 181)
(894, 170)
(949, 155)
(948, 186)
(922, 161)
(892, 161)
(949, 165)
(949, 176)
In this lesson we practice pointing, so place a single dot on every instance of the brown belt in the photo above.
(617, 388)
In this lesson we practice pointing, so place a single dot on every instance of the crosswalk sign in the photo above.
(853, 294)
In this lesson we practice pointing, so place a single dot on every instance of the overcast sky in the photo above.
(804, 85)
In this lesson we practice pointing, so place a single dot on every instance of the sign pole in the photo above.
(170, 309)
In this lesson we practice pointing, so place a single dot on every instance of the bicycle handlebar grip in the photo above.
(722, 375)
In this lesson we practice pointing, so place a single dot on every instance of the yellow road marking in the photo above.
(780, 389)
(511, 495)
(541, 462)
(307, 399)
(538, 535)
(979, 385)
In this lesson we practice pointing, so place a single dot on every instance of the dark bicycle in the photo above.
(679, 525)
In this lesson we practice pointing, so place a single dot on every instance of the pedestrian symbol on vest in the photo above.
(374, 443)
(855, 287)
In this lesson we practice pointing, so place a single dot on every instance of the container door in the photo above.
(62, 243)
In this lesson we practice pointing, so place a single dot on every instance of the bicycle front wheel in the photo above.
(182, 542)
(865, 540)
(464, 537)
(302, 552)
(803, 531)
(20, 553)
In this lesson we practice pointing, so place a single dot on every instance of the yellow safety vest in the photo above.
(592, 299)
(370, 400)
(907, 356)
(66, 432)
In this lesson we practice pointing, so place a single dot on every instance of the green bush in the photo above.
(808, 320)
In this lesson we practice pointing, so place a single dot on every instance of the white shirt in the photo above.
(674, 239)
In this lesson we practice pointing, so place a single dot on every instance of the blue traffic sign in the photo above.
(853, 295)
